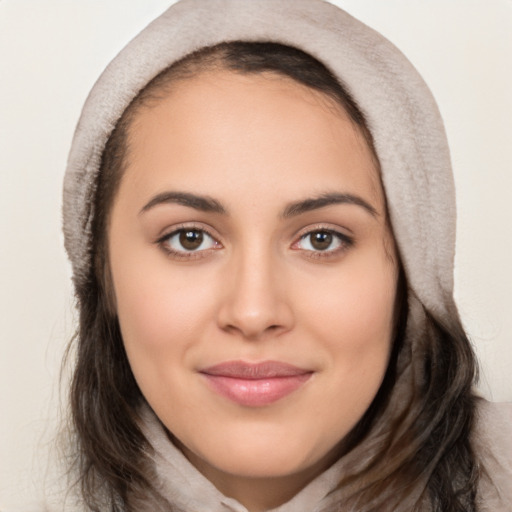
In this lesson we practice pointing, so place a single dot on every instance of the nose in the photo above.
(255, 300)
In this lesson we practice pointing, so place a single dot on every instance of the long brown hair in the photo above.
(429, 438)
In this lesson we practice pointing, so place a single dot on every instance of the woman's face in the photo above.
(254, 273)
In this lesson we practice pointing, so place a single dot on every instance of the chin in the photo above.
(261, 453)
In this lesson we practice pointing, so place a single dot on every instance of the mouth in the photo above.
(255, 385)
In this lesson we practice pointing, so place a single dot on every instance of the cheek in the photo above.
(355, 309)
(354, 319)
(162, 314)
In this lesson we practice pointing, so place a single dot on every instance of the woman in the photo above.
(262, 246)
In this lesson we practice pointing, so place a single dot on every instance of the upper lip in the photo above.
(254, 371)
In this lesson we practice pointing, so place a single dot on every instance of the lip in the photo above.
(255, 384)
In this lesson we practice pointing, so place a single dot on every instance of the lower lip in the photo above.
(256, 392)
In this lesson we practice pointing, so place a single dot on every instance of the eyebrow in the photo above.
(208, 204)
(327, 199)
(202, 203)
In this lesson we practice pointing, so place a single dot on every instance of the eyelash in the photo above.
(344, 242)
(187, 255)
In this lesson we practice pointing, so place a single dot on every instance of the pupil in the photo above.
(321, 240)
(191, 240)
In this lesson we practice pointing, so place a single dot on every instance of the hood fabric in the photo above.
(410, 143)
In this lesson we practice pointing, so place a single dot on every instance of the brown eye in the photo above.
(321, 240)
(191, 239)
(187, 241)
(325, 241)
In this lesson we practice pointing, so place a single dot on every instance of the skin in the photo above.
(257, 289)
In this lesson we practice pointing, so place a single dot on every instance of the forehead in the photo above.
(202, 130)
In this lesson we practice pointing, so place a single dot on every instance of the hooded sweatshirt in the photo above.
(416, 172)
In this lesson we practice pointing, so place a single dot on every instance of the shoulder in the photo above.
(492, 441)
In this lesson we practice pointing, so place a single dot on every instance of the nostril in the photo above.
(253, 333)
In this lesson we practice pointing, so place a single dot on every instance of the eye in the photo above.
(323, 241)
(186, 241)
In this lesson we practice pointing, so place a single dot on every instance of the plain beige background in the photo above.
(51, 51)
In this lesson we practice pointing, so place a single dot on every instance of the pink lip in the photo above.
(255, 385)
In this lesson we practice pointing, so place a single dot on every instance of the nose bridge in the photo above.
(256, 302)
